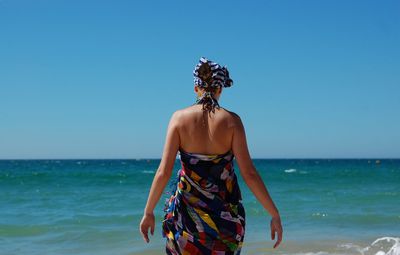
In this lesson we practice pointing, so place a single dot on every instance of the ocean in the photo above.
(327, 206)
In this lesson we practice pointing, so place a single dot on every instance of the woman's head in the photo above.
(209, 79)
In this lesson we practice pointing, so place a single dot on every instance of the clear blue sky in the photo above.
(100, 79)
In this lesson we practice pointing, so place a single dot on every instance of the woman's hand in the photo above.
(276, 227)
(148, 221)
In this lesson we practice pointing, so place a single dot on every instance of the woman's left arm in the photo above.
(162, 176)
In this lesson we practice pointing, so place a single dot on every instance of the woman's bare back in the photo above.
(203, 133)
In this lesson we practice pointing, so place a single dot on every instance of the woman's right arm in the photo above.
(253, 179)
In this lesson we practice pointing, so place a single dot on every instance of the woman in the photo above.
(204, 214)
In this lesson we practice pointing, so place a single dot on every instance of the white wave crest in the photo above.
(381, 246)
(148, 171)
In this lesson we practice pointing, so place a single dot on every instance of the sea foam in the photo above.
(381, 246)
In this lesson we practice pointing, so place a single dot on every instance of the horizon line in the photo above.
(255, 158)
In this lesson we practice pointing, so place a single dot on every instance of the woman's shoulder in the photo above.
(234, 120)
(190, 111)
(233, 114)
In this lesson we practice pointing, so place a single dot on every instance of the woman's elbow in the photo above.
(250, 174)
(163, 174)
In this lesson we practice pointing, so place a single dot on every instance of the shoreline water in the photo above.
(372, 246)
(94, 206)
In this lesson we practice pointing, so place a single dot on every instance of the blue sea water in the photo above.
(95, 206)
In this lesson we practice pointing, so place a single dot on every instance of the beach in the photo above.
(385, 245)
(327, 206)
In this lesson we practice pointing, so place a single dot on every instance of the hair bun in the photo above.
(205, 73)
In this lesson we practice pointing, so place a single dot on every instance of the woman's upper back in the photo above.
(223, 130)
(200, 133)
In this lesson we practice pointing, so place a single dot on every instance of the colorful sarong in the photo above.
(204, 214)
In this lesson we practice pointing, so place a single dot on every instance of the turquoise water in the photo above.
(94, 206)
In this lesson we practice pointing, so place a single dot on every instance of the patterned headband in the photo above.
(219, 77)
